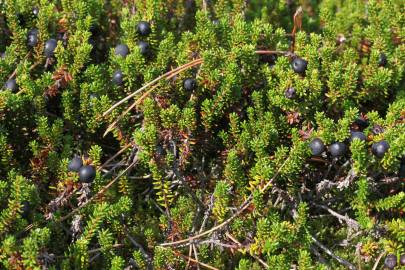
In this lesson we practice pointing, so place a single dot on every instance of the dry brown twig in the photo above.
(178, 253)
(297, 24)
(241, 208)
(254, 256)
(155, 83)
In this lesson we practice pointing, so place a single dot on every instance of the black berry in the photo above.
(35, 11)
(11, 84)
(390, 261)
(121, 49)
(75, 164)
(402, 259)
(50, 47)
(299, 65)
(190, 84)
(143, 28)
(143, 47)
(382, 60)
(87, 173)
(337, 149)
(380, 148)
(290, 93)
(317, 146)
(118, 77)
(358, 135)
(32, 37)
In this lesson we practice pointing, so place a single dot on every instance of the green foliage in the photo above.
(228, 163)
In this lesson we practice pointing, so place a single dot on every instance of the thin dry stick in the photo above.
(190, 250)
(330, 253)
(100, 249)
(351, 222)
(254, 256)
(113, 124)
(242, 207)
(114, 156)
(297, 24)
(104, 189)
(196, 256)
(188, 65)
(270, 52)
(378, 260)
(171, 74)
(194, 261)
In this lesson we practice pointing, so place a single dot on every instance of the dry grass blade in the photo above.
(113, 124)
(114, 156)
(166, 76)
(194, 261)
(138, 101)
(265, 265)
(190, 64)
(297, 24)
(270, 52)
(241, 208)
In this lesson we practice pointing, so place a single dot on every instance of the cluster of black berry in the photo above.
(391, 261)
(87, 173)
(338, 149)
(143, 29)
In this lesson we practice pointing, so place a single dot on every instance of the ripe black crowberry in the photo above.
(143, 28)
(317, 146)
(390, 261)
(50, 46)
(190, 84)
(299, 65)
(32, 37)
(75, 164)
(358, 135)
(121, 49)
(402, 259)
(11, 84)
(290, 93)
(143, 47)
(118, 77)
(380, 148)
(382, 60)
(87, 174)
(337, 149)
(35, 11)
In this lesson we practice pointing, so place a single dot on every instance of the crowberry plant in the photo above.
(222, 134)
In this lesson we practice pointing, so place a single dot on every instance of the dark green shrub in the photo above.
(214, 173)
